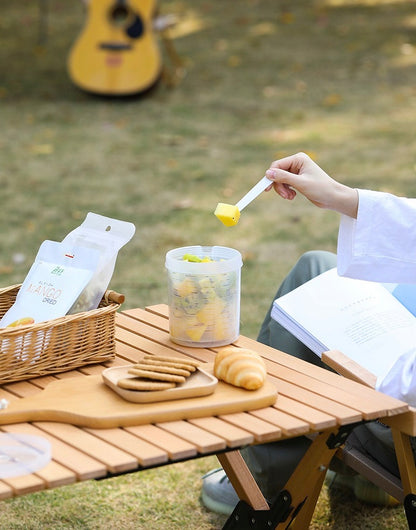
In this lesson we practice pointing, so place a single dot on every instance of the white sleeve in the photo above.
(380, 245)
(400, 382)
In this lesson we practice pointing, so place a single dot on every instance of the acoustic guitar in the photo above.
(116, 53)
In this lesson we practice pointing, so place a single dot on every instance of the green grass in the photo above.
(264, 79)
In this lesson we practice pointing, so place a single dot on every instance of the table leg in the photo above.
(242, 480)
(296, 503)
(305, 484)
(407, 469)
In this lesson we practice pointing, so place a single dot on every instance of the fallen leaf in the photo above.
(227, 192)
(264, 28)
(30, 226)
(269, 91)
(39, 50)
(42, 149)
(287, 18)
(248, 255)
(234, 61)
(221, 45)
(182, 204)
(301, 86)
(331, 100)
(242, 21)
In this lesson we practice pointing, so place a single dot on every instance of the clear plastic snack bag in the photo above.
(58, 275)
(107, 236)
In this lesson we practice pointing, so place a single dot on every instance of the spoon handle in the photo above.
(254, 192)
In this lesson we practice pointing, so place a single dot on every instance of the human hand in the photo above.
(299, 173)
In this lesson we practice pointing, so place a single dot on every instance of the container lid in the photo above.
(225, 259)
(22, 454)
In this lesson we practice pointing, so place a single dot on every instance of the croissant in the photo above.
(240, 367)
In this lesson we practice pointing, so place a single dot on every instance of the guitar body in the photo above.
(116, 53)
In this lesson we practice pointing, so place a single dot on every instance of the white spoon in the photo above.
(229, 214)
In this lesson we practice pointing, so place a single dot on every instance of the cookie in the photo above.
(133, 383)
(148, 374)
(162, 368)
(182, 366)
(173, 360)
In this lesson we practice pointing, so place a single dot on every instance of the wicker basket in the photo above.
(57, 345)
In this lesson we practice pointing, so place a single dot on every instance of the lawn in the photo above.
(263, 79)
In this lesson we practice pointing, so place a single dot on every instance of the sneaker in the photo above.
(364, 490)
(339, 480)
(218, 494)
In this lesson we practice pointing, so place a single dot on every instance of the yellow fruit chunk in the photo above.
(211, 312)
(21, 322)
(196, 259)
(192, 258)
(186, 288)
(196, 331)
(228, 214)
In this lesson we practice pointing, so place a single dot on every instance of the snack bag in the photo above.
(57, 277)
(107, 236)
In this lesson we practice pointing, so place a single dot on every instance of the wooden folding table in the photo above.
(310, 401)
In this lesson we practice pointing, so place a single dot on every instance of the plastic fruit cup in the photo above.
(204, 297)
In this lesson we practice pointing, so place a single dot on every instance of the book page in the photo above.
(361, 319)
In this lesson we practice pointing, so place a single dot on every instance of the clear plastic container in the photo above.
(21, 454)
(204, 297)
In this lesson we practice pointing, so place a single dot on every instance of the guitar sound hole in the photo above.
(120, 15)
(124, 18)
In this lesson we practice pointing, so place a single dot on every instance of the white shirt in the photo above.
(380, 245)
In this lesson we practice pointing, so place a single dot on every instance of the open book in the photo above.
(372, 323)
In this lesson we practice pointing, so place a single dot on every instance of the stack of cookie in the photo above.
(156, 372)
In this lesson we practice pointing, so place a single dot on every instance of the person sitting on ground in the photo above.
(376, 242)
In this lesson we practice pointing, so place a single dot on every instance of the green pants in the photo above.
(272, 464)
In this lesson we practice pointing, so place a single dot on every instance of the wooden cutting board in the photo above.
(89, 402)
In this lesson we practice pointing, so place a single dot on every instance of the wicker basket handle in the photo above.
(113, 296)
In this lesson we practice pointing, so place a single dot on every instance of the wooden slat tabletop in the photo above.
(309, 400)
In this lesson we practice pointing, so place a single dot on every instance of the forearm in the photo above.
(343, 200)
(298, 173)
